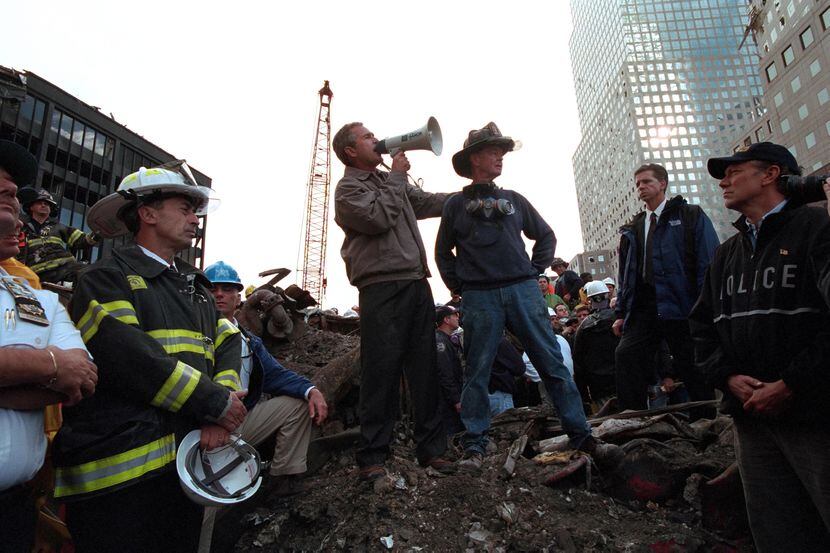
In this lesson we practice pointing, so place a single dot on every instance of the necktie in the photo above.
(753, 234)
(648, 266)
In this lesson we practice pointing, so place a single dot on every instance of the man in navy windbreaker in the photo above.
(294, 402)
(663, 255)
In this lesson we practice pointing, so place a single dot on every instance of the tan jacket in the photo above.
(378, 211)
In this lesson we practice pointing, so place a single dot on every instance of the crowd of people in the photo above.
(685, 316)
(150, 349)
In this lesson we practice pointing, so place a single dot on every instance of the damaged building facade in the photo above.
(791, 40)
(82, 153)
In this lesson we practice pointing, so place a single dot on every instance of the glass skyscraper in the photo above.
(657, 81)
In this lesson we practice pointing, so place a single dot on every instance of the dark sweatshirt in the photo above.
(489, 251)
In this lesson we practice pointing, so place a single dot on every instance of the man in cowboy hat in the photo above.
(386, 261)
(481, 254)
(50, 245)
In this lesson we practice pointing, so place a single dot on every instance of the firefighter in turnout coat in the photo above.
(168, 364)
(50, 246)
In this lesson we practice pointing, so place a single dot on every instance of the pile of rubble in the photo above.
(675, 490)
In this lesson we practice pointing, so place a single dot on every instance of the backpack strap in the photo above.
(690, 214)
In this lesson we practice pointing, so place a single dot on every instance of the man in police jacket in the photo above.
(762, 334)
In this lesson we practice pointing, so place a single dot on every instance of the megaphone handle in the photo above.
(394, 151)
(415, 182)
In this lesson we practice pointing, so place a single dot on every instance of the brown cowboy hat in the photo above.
(486, 136)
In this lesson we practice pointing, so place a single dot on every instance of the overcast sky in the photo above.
(232, 87)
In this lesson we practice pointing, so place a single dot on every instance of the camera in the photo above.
(803, 190)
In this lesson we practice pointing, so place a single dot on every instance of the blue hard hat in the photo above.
(222, 273)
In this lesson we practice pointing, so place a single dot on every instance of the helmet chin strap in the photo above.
(211, 482)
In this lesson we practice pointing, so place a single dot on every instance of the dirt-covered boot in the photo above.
(603, 454)
(471, 461)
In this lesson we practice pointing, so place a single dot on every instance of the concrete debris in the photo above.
(478, 535)
(507, 512)
(674, 489)
(271, 533)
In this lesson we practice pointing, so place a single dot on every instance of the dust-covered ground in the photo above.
(315, 348)
(657, 499)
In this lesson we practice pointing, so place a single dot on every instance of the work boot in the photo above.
(371, 473)
(471, 461)
(441, 465)
(287, 485)
(608, 455)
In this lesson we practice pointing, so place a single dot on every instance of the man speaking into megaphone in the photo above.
(386, 260)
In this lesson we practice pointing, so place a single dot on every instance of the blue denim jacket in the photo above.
(270, 377)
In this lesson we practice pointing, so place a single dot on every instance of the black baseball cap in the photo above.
(18, 163)
(760, 151)
(444, 311)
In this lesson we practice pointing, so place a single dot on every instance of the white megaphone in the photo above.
(427, 137)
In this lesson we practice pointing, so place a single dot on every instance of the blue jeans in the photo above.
(522, 309)
(500, 402)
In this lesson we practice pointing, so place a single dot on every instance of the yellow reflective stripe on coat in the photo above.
(120, 310)
(228, 379)
(35, 242)
(178, 340)
(178, 387)
(51, 264)
(224, 330)
(116, 469)
(74, 237)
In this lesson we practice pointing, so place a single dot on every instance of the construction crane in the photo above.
(317, 202)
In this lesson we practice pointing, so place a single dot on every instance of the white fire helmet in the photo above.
(105, 217)
(223, 476)
(595, 288)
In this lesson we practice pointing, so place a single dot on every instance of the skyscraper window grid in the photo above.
(656, 81)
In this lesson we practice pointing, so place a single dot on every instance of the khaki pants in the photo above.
(288, 418)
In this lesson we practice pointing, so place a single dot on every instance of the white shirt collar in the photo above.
(657, 211)
(158, 258)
